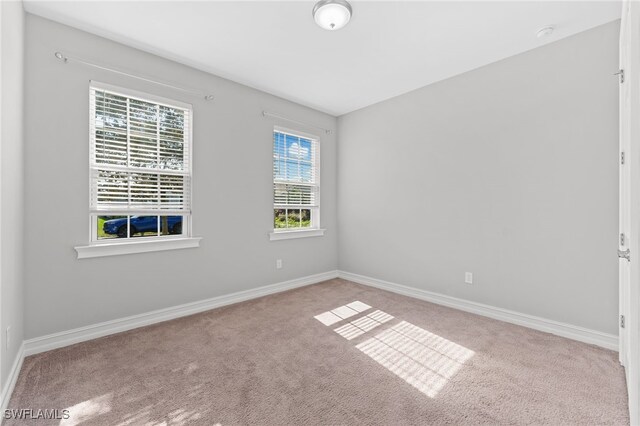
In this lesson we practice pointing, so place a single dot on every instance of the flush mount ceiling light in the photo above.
(332, 14)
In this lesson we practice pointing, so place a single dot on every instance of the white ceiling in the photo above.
(387, 49)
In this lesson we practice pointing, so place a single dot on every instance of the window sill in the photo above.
(131, 247)
(287, 235)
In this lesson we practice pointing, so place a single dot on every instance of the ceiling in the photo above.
(387, 49)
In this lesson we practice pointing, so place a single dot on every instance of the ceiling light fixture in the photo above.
(545, 31)
(332, 14)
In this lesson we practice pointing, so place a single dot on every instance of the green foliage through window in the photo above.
(292, 218)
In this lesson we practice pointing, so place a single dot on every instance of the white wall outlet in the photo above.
(6, 338)
(279, 264)
(468, 277)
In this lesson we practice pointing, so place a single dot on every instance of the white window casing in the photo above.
(140, 166)
(296, 185)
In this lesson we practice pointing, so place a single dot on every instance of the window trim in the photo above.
(138, 246)
(315, 230)
(296, 233)
(108, 247)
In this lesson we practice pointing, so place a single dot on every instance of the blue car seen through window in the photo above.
(142, 225)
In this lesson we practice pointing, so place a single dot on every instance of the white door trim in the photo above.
(630, 201)
(624, 267)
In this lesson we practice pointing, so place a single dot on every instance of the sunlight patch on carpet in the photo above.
(362, 325)
(84, 411)
(328, 318)
(182, 417)
(421, 358)
(342, 312)
(358, 306)
(424, 360)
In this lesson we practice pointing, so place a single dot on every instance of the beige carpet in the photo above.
(387, 360)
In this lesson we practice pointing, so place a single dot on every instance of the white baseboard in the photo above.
(70, 337)
(581, 334)
(7, 390)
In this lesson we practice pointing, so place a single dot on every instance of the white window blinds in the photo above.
(140, 154)
(296, 180)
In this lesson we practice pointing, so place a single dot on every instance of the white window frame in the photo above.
(314, 230)
(109, 247)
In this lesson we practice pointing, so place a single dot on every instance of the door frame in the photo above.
(629, 290)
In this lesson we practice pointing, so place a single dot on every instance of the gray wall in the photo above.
(508, 171)
(232, 190)
(11, 182)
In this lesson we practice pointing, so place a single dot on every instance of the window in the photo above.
(296, 183)
(140, 166)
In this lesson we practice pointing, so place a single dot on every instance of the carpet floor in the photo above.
(334, 353)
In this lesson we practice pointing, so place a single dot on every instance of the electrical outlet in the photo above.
(6, 339)
(468, 277)
(279, 264)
